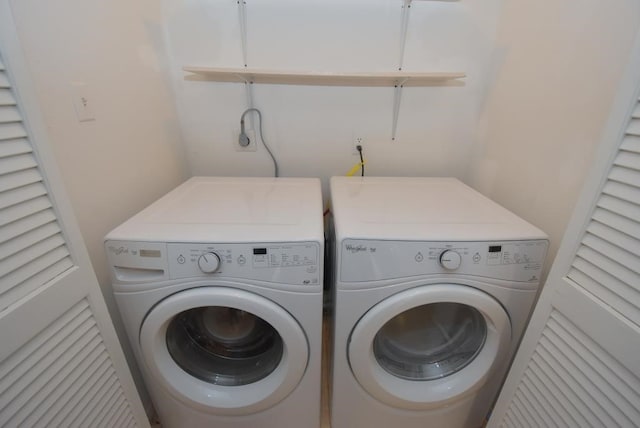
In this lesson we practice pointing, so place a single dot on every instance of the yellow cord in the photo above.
(355, 168)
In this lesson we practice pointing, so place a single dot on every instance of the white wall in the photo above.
(131, 154)
(311, 129)
(557, 67)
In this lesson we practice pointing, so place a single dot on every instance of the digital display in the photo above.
(150, 253)
(259, 251)
(495, 248)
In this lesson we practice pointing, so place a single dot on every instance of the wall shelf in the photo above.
(396, 78)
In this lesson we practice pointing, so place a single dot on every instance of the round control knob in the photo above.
(209, 262)
(450, 260)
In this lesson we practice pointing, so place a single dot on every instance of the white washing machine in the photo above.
(433, 285)
(219, 284)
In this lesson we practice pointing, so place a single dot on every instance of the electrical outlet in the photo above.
(357, 141)
(82, 102)
(253, 142)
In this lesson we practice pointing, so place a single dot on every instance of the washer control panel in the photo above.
(286, 263)
(369, 260)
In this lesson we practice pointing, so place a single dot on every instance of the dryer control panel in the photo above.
(296, 263)
(370, 260)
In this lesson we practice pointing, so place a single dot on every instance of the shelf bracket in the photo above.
(248, 85)
(242, 14)
(397, 94)
(248, 88)
(404, 26)
(397, 97)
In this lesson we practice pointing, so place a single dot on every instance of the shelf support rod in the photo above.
(406, 9)
(242, 12)
(397, 97)
(248, 85)
(397, 94)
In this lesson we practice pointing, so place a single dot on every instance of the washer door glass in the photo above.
(430, 341)
(429, 346)
(224, 346)
(223, 350)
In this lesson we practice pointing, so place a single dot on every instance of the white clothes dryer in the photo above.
(433, 286)
(219, 285)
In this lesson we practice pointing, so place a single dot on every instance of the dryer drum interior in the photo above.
(430, 341)
(224, 346)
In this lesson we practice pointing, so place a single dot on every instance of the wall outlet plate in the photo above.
(355, 142)
(82, 102)
(253, 141)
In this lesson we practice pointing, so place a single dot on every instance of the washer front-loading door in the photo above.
(429, 345)
(224, 351)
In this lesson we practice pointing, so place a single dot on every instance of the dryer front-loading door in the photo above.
(224, 351)
(429, 345)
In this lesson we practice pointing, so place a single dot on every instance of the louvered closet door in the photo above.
(60, 361)
(579, 363)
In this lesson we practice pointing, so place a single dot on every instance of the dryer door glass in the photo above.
(430, 341)
(224, 346)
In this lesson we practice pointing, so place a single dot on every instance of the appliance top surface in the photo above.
(421, 209)
(231, 209)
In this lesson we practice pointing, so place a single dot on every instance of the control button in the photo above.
(242, 260)
(274, 260)
(477, 257)
(450, 260)
(181, 259)
(209, 262)
(419, 257)
(494, 259)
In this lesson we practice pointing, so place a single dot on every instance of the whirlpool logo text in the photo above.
(356, 248)
(118, 250)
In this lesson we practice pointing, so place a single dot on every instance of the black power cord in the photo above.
(243, 138)
(359, 148)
